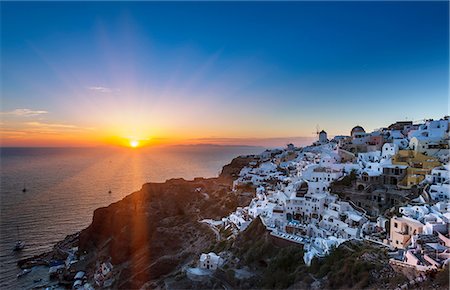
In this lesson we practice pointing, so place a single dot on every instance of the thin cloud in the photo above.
(51, 125)
(24, 113)
(55, 127)
(101, 89)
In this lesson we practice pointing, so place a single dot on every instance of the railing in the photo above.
(359, 209)
(406, 265)
(288, 237)
(368, 238)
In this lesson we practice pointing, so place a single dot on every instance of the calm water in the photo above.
(65, 185)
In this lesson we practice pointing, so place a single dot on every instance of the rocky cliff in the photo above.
(154, 231)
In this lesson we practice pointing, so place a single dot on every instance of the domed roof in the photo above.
(357, 129)
(302, 189)
(323, 131)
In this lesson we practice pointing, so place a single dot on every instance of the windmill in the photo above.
(317, 131)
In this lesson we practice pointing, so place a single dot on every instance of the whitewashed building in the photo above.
(388, 150)
(323, 137)
(440, 192)
(210, 261)
(438, 175)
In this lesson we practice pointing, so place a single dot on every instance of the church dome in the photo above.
(357, 129)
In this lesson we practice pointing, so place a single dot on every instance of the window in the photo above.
(395, 225)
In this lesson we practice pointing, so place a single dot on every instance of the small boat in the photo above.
(19, 246)
(19, 243)
(24, 188)
(23, 273)
(109, 191)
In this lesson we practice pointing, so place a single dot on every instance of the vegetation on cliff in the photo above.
(353, 264)
(274, 266)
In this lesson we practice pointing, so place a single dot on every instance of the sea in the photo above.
(65, 185)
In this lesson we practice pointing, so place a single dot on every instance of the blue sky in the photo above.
(221, 70)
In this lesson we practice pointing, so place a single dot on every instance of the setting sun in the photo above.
(134, 143)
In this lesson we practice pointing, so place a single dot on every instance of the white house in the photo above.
(439, 174)
(240, 218)
(396, 134)
(388, 150)
(401, 143)
(428, 145)
(435, 223)
(440, 192)
(432, 129)
(319, 179)
(210, 261)
(360, 138)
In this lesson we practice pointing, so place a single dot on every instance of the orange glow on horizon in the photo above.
(129, 142)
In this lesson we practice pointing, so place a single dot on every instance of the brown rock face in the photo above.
(154, 230)
(231, 171)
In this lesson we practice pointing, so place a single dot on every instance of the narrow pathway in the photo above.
(214, 229)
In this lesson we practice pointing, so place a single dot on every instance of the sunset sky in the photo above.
(82, 74)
